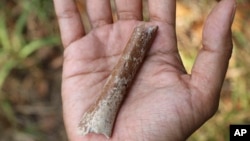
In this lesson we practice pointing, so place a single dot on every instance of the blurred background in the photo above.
(31, 68)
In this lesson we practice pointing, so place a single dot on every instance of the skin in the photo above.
(164, 103)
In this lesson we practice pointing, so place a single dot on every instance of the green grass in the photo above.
(15, 47)
(25, 28)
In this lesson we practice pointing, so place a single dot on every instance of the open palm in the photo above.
(164, 103)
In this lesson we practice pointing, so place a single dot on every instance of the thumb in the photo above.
(211, 63)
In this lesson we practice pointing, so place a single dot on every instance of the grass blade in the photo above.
(4, 36)
(37, 44)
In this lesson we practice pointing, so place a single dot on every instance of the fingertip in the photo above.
(222, 15)
(231, 6)
(217, 29)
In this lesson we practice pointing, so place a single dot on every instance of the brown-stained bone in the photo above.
(100, 117)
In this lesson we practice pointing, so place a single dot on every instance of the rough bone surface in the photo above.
(100, 117)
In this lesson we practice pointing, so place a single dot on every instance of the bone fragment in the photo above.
(100, 117)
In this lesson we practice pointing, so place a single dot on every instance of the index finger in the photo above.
(162, 11)
(69, 19)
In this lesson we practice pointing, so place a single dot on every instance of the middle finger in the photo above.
(99, 12)
(129, 9)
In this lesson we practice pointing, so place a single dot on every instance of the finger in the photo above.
(99, 12)
(129, 9)
(69, 20)
(211, 64)
(162, 11)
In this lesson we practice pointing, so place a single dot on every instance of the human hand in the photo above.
(164, 103)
